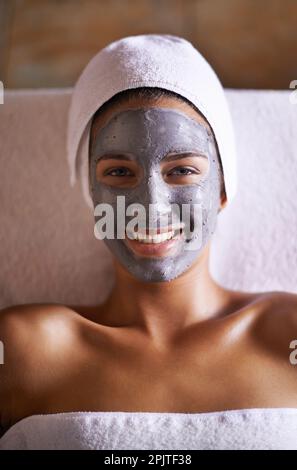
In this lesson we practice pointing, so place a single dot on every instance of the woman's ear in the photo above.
(223, 201)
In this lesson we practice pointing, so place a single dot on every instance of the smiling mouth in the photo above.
(156, 236)
(155, 243)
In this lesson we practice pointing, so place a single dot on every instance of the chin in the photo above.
(149, 270)
(152, 269)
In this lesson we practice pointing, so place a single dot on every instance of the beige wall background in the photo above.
(47, 43)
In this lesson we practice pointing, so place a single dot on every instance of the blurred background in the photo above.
(47, 43)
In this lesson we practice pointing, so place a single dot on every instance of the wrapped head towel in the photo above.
(149, 60)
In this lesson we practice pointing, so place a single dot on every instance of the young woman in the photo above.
(168, 339)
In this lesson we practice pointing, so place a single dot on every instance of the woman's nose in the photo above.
(156, 194)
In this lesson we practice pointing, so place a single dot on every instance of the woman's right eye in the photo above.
(119, 171)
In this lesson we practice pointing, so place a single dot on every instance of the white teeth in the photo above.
(156, 238)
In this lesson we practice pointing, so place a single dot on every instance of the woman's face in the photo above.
(155, 184)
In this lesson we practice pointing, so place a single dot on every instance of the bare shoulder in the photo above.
(20, 323)
(275, 321)
(275, 297)
(269, 304)
(32, 337)
(268, 319)
(24, 312)
(280, 305)
(23, 328)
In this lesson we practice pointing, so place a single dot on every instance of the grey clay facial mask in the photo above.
(147, 135)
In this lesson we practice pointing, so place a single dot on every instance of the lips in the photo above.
(156, 242)
(159, 235)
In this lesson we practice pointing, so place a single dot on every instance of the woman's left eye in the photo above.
(119, 171)
(183, 171)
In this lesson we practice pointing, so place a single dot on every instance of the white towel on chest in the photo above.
(256, 428)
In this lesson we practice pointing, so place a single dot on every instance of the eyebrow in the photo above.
(114, 157)
(167, 158)
(178, 156)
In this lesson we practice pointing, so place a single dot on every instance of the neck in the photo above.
(163, 309)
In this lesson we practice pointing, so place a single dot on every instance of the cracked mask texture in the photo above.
(148, 135)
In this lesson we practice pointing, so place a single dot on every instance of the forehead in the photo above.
(103, 118)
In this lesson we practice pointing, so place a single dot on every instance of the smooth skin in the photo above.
(188, 345)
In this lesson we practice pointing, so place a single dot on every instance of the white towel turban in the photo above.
(148, 60)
